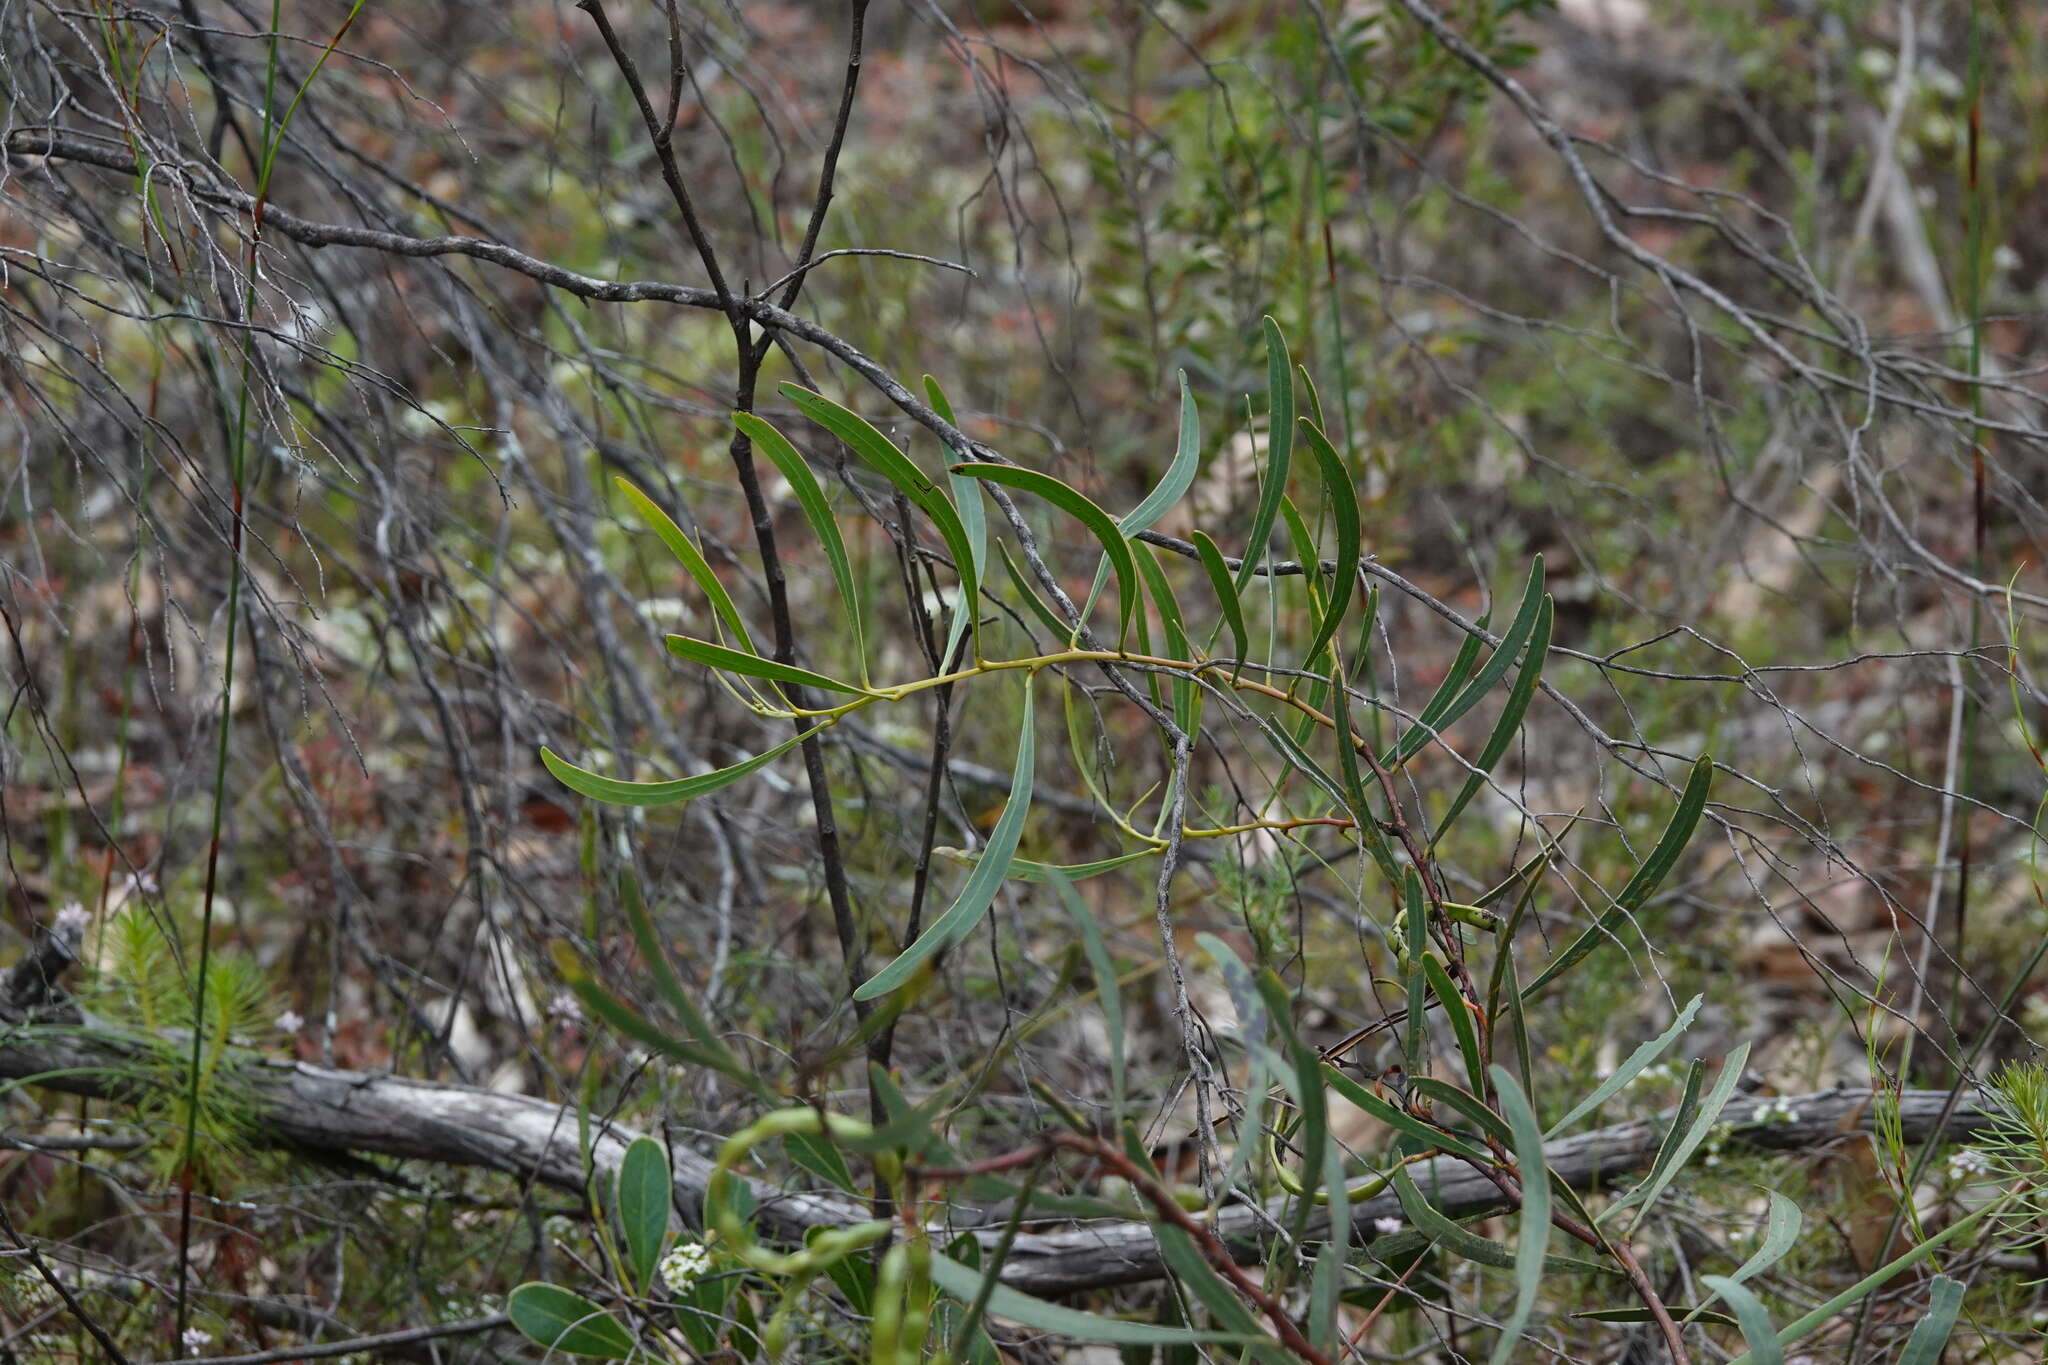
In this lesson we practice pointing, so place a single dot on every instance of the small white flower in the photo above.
(1968, 1163)
(1386, 1227)
(2004, 258)
(564, 1008)
(196, 1339)
(684, 1265)
(291, 1021)
(72, 916)
(139, 881)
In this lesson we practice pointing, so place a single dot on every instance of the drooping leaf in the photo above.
(1754, 1317)
(562, 1320)
(982, 883)
(617, 792)
(754, 666)
(1025, 870)
(691, 558)
(1070, 501)
(1017, 1306)
(1931, 1333)
(1717, 1099)
(1780, 1233)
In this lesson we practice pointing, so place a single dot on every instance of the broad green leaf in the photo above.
(1510, 721)
(822, 1158)
(1534, 1225)
(1755, 1319)
(980, 891)
(1779, 1235)
(1644, 883)
(643, 1194)
(811, 498)
(1717, 1099)
(1226, 593)
(1452, 700)
(692, 559)
(1931, 1333)
(563, 1320)
(880, 452)
(1279, 453)
(754, 666)
(1071, 502)
(1343, 503)
(616, 792)
(1630, 1069)
(1016, 1306)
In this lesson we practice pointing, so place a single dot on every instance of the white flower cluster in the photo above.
(1779, 1110)
(1968, 1163)
(684, 1265)
(196, 1340)
(1717, 1137)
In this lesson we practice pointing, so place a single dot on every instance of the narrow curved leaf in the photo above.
(754, 666)
(1017, 1306)
(692, 559)
(618, 792)
(1533, 1228)
(1709, 1114)
(1460, 1015)
(880, 452)
(1343, 500)
(1025, 870)
(1510, 721)
(1630, 1069)
(1453, 699)
(973, 516)
(811, 498)
(1070, 501)
(980, 891)
(1173, 485)
(1780, 1233)
(563, 1320)
(1691, 803)
(1755, 1319)
(1279, 454)
(1226, 592)
(1931, 1333)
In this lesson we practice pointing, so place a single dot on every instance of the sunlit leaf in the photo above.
(563, 1320)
